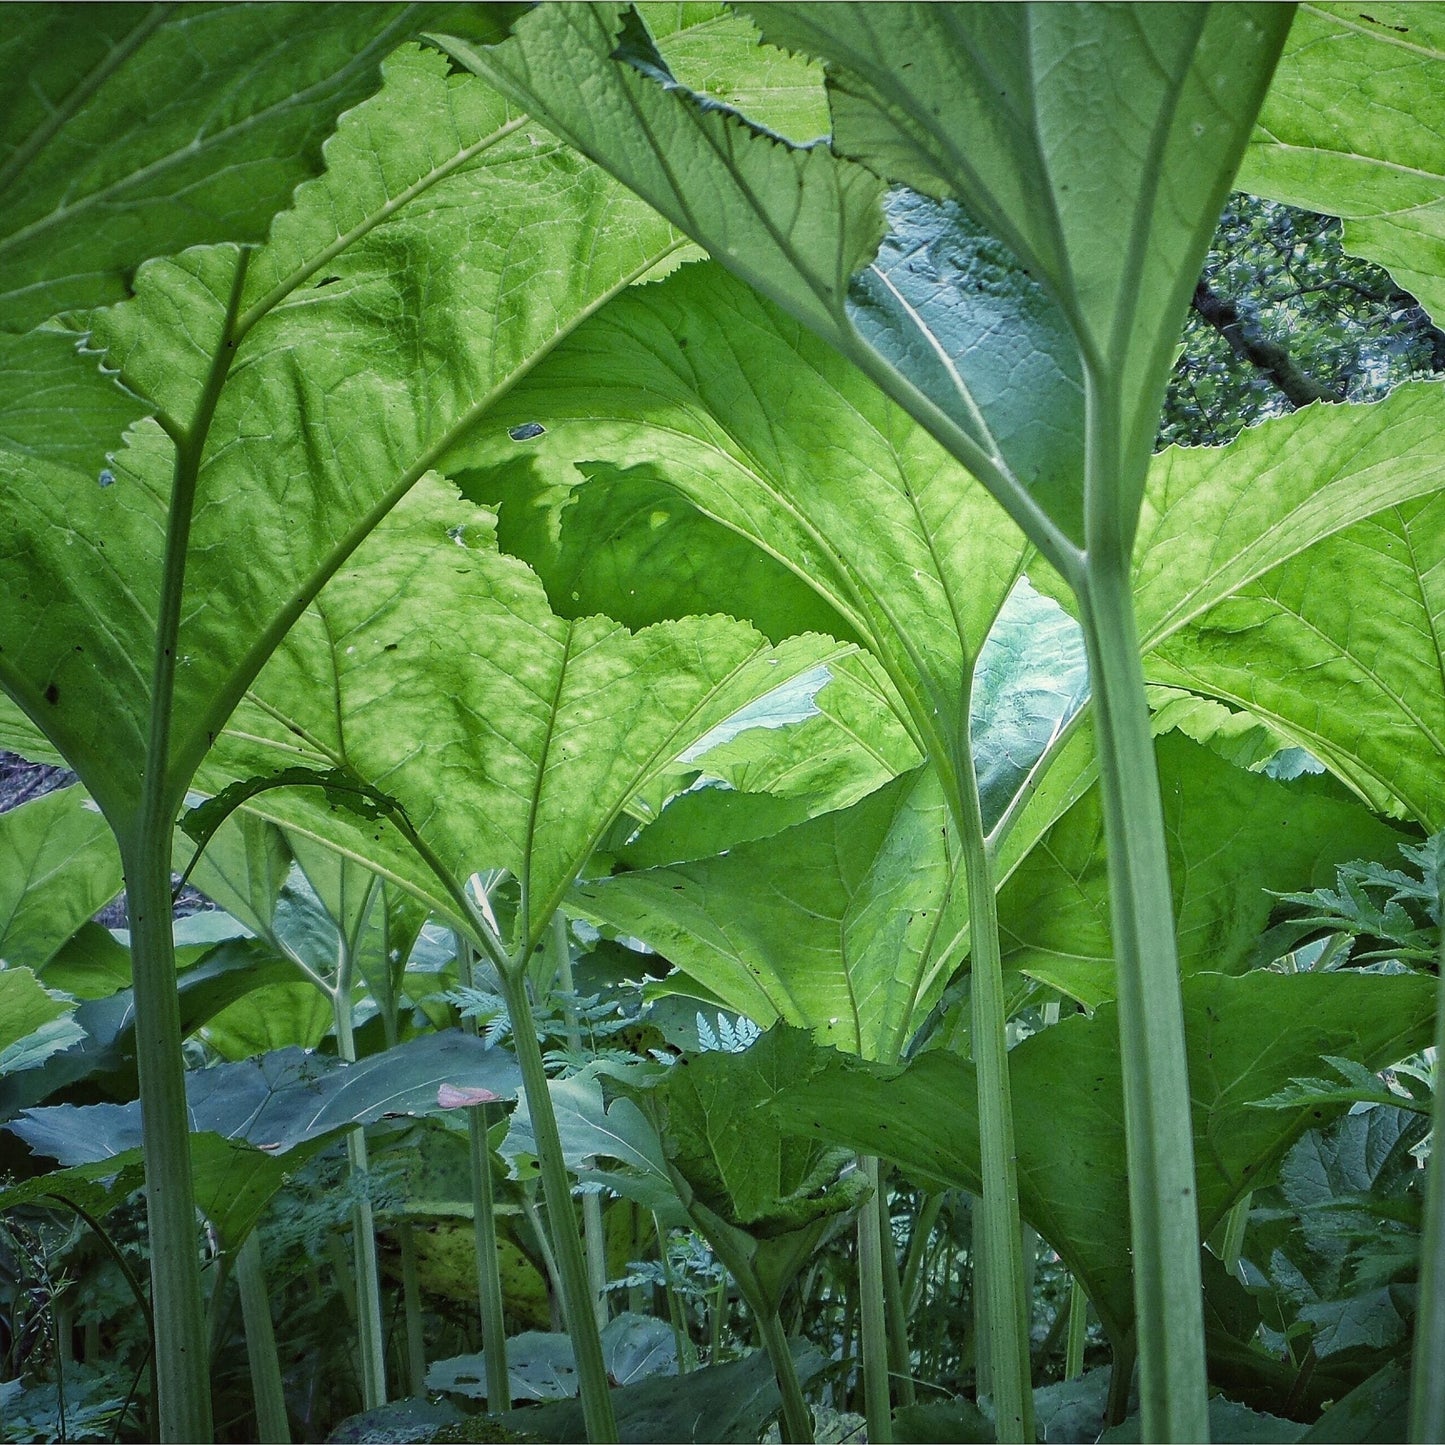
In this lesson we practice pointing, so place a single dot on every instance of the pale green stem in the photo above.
(796, 1424)
(484, 1227)
(997, 1225)
(370, 1333)
(1427, 1398)
(489, 1277)
(571, 1266)
(877, 1404)
(411, 1310)
(1078, 1331)
(900, 1356)
(717, 1315)
(982, 1339)
(405, 1235)
(914, 1275)
(182, 1366)
(216, 1305)
(1164, 1216)
(63, 1324)
(1235, 1225)
(686, 1355)
(544, 1248)
(182, 1369)
(272, 1426)
(593, 1238)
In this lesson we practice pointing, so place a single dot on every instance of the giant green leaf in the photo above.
(945, 318)
(730, 1402)
(764, 1198)
(138, 130)
(1215, 520)
(1098, 143)
(35, 1021)
(847, 743)
(1354, 125)
(58, 867)
(234, 1182)
(322, 378)
(592, 1130)
(791, 221)
(1232, 836)
(283, 1100)
(45, 376)
(1341, 648)
(243, 869)
(1030, 685)
(521, 750)
(626, 544)
(1246, 1037)
(852, 496)
(848, 924)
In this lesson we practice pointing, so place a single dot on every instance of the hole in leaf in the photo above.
(526, 431)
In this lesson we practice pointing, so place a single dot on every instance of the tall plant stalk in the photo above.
(997, 1222)
(1078, 1331)
(182, 1370)
(900, 1356)
(484, 1226)
(594, 1242)
(1163, 1208)
(877, 1401)
(371, 1337)
(577, 1304)
(272, 1426)
(411, 1311)
(386, 989)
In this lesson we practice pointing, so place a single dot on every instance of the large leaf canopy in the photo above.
(300, 393)
(1107, 192)
(520, 750)
(1354, 126)
(1247, 1037)
(238, 101)
(58, 867)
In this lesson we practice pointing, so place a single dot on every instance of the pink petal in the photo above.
(451, 1097)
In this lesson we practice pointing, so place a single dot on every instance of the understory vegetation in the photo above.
(722, 723)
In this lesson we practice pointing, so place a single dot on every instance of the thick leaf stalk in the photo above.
(876, 1397)
(796, 1423)
(272, 1426)
(577, 1306)
(1164, 1214)
(371, 1341)
(484, 1228)
(1078, 1330)
(592, 1236)
(900, 1356)
(182, 1370)
(999, 1224)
